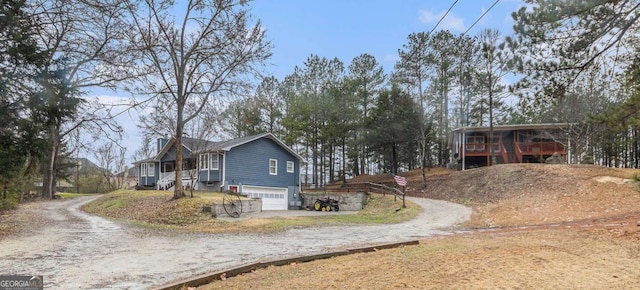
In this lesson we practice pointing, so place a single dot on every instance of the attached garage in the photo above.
(273, 198)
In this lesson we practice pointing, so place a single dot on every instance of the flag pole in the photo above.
(404, 205)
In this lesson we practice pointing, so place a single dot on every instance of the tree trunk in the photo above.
(314, 156)
(356, 158)
(636, 149)
(356, 165)
(394, 159)
(331, 149)
(492, 154)
(178, 191)
(49, 174)
(363, 159)
(344, 161)
(423, 159)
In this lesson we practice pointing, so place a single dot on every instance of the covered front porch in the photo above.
(167, 178)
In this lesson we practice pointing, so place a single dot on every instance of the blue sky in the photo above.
(348, 28)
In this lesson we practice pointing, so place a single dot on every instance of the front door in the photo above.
(169, 167)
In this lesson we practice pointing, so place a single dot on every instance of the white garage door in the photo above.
(273, 198)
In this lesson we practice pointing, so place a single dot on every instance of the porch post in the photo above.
(568, 149)
(464, 149)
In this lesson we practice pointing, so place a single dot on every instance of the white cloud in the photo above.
(450, 22)
(391, 57)
(427, 17)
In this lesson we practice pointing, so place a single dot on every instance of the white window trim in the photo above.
(214, 157)
(291, 167)
(206, 157)
(143, 169)
(274, 167)
(151, 169)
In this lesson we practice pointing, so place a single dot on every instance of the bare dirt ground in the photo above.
(75, 250)
(534, 226)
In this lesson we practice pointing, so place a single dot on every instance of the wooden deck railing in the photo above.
(535, 148)
(520, 148)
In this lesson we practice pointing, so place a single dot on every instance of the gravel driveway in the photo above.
(82, 251)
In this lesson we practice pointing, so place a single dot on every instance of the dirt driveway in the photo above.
(81, 251)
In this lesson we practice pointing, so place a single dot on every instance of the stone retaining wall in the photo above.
(248, 206)
(347, 200)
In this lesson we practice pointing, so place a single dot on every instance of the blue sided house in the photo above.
(259, 166)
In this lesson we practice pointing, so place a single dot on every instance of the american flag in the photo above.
(401, 181)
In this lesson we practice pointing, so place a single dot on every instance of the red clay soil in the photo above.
(534, 226)
(513, 195)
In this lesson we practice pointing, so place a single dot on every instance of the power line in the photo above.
(483, 14)
(443, 16)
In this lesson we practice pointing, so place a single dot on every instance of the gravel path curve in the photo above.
(82, 251)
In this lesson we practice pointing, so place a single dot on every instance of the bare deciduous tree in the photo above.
(196, 58)
(86, 49)
(111, 159)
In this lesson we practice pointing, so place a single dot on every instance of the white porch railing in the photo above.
(167, 178)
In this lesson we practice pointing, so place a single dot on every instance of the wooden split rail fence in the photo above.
(369, 187)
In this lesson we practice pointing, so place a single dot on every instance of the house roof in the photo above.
(144, 160)
(229, 144)
(513, 127)
(191, 144)
(202, 146)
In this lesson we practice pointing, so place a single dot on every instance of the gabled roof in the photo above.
(191, 144)
(202, 146)
(229, 144)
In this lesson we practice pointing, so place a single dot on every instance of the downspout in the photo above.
(297, 192)
(224, 169)
(298, 178)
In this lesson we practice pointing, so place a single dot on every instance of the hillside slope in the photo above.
(532, 194)
(537, 227)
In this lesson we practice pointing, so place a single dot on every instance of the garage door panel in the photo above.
(273, 198)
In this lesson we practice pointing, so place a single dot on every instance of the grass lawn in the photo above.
(554, 227)
(551, 259)
(66, 195)
(156, 209)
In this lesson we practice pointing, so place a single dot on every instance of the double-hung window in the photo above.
(147, 169)
(143, 169)
(215, 163)
(204, 161)
(273, 166)
(151, 169)
(290, 167)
